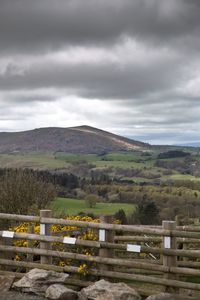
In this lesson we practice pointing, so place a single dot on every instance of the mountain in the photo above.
(191, 144)
(82, 139)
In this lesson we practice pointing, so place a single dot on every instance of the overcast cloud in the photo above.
(128, 66)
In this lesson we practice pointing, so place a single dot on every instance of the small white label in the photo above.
(102, 235)
(167, 242)
(42, 229)
(8, 234)
(69, 240)
(133, 248)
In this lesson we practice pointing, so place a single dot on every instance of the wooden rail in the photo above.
(115, 254)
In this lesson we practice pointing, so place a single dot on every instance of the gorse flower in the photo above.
(82, 269)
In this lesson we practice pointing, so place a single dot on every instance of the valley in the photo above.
(167, 177)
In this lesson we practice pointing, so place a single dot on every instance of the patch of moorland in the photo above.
(81, 139)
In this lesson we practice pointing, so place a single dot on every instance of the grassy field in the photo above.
(68, 206)
(145, 161)
(37, 160)
(69, 157)
(184, 177)
(34, 160)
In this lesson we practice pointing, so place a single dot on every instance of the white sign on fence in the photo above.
(42, 229)
(102, 235)
(133, 248)
(167, 242)
(69, 240)
(8, 234)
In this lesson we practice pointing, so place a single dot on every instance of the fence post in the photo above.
(169, 242)
(106, 236)
(30, 242)
(181, 245)
(45, 229)
(4, 254)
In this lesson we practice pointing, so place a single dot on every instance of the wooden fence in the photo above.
(166, 256)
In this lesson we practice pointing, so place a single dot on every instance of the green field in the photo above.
(35, 160)
(184, 177)
(113, 163)
(68, 206)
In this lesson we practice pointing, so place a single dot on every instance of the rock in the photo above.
(37, 281)
(104, 290)
(14, 295)
(60, 292)
(161, 296)
(6, 283)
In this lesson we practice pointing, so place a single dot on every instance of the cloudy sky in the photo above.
(128, 66)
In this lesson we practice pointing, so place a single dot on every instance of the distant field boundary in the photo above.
(156, 255)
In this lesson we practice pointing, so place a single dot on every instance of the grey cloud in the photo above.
(35, 97)
(103, 81)
(147, 94)
(41, 25)
(26, 25)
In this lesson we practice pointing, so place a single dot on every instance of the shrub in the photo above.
(91, 200)
(86, 234)
(121, 216)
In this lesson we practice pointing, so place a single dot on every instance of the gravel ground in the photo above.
(18, 296)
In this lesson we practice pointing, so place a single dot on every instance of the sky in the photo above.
(131, 67)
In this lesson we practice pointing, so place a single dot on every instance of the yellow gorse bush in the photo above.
(86, 234)
(83, 269)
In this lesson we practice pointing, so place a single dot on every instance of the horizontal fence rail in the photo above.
(165, 256)
(79, 242)
(194, 233)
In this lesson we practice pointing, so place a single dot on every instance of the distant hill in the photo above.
(82, 139)
(191, 144)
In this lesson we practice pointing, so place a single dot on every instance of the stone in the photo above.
(14, 295)
(105, 290)
(37, 281)
(6, 283)
(161, 296)
(60, 292)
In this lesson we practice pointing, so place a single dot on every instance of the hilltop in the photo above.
(82, 139)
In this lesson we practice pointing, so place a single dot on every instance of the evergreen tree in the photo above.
(120, 215)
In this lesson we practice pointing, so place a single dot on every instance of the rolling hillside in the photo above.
(82, 139)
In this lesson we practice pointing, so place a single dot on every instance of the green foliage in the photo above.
(91, 200)
(146, 213)
(173, 154)
(120, 215)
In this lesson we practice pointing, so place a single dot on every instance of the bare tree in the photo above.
(21, 191)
